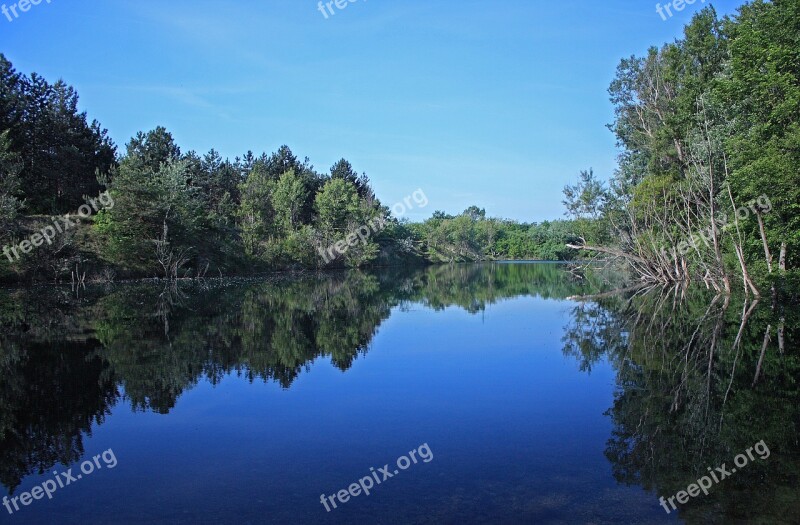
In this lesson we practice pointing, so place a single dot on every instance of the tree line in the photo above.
(707, 126)
(178, 214)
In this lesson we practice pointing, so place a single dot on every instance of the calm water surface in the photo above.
(245, 401)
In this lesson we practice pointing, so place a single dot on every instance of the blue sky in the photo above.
(494, 103)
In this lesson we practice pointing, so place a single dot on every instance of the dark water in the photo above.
(245, 401)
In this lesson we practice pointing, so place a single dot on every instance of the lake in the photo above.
(490, 393)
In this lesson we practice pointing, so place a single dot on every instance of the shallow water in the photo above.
(244, 401)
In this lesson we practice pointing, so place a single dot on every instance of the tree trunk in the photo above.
(763, 353)
(715, 236)
(782, 260)
(609, 251)
(767, 254)
(748, 283)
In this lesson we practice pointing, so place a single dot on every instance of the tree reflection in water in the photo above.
(67, 359)
(700, 378)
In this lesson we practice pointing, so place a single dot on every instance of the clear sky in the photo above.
(494, 103)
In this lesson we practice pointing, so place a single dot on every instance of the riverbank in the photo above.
(79, 254)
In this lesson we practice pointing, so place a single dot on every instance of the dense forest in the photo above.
(707, 187)
(175, 214)
(708, 183)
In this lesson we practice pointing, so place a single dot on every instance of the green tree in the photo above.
(10, 168)
(60, 150)
(288, 199)
(256, 213)
(156, 218)
(148, 151)
(344, 170)
(762, 93)
(340, 214)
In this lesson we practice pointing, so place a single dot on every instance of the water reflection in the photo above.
(67, 358)
(699, 378)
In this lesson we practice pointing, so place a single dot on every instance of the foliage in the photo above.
(150, 208)
(61, 152)
(471, 236)
(10, 204)
(707, 124)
